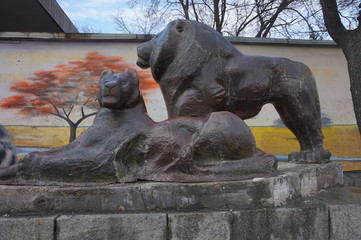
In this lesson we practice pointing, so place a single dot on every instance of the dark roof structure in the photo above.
(34, 16)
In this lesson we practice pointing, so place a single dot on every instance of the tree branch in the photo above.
(84, 117)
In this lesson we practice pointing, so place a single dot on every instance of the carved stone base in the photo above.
(293, 181)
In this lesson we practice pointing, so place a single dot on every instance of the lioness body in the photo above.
(199, 72)
(124, 144)
(7, 150)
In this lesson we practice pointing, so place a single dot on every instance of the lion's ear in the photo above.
(105, 74)
(179, 25)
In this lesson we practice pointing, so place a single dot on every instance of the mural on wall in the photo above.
(68, 91)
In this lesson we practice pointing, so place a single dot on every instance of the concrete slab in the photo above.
(292, 182)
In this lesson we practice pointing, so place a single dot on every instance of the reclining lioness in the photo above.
(124, 145)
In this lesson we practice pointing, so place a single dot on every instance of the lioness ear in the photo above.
(132, 72)
(179, 25)
(106, 73)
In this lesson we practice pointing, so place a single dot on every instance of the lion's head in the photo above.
(119, 91)
(182, 48)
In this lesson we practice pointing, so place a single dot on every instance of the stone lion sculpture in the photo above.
(124, 144)
(7, 149)
(199, 71)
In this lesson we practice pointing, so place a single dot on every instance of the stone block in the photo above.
(285, 187)
(345, 221)
(112, 226)
(329, 175)
(20, 228)
(200, 226)
(352, 179)
(281, 223)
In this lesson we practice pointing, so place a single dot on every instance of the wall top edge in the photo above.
(42, 36)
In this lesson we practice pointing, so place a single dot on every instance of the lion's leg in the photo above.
(302, 117)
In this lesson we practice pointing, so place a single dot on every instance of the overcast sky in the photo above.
(97, 14)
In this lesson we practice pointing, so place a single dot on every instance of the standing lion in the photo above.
(199, 71)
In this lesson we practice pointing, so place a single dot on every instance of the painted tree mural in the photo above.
(68, 88)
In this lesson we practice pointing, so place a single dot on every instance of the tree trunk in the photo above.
(216, 16)
(350, 43)
(73, 128)
(353, 57)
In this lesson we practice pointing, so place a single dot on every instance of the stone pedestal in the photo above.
(292, 182)
(154, 210)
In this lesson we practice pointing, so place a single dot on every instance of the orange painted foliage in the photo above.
(74, 84)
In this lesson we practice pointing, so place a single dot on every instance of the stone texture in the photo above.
(304, 180)
(200, 226)
(281, 223)
(329, 175)
(285, 187)
(125, 226)
(337, 196)
(352, 178)
(345, 221)
(331, 214)
(40, 228)
(293, 181)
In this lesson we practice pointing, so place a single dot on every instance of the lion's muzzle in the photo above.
(144, 52)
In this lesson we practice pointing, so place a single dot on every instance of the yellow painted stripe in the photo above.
(43, 137)
(343, 141)
(350, 165)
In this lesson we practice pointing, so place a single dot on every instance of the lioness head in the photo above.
(119, 91)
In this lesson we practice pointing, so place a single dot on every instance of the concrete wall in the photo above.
(334, 222)
(22, 55)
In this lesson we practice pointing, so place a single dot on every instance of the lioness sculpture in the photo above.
(124, 145)
(7, 149)
(199, 71)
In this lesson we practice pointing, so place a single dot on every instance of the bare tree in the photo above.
(141, 20)
(86, 28)
(252, 18)
(349, 39)
(257, 18)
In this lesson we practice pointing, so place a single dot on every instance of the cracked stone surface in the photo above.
(293, 181)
